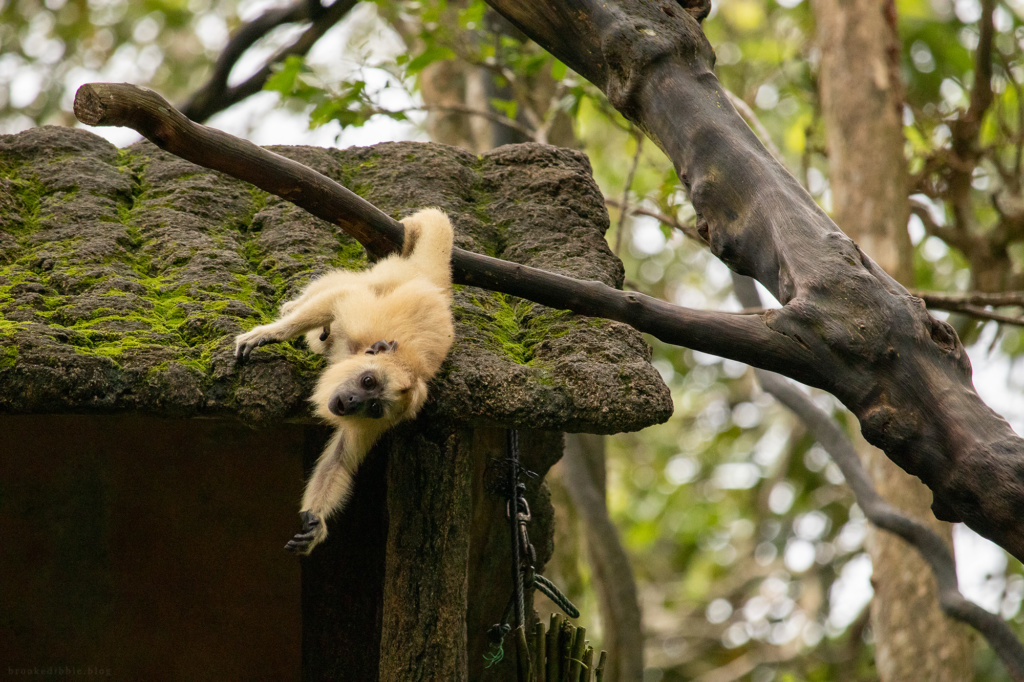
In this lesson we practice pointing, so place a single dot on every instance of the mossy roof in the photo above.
(126, 273)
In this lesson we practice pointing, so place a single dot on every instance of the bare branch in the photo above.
(500, 119)
(665, 219)
(973, 304)
(931, 547)
(747, 338)
(939, 299)
(216, 96)
(639, 139)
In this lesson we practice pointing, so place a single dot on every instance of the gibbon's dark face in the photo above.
(363, 395)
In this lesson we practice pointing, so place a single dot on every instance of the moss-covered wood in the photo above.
(125, 273)
(124, 276)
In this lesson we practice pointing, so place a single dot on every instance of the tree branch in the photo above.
(904, 374)
(874, 346)
(639, 139)
(973, 304)
(688, 230)
(940, 299)
(931, 547)
(216, 96)
(747, 338)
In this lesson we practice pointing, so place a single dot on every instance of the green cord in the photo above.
(495, 655)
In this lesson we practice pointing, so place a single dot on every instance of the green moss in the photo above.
(30, 192)
(512, 326)
(8, 355)
(350, 255)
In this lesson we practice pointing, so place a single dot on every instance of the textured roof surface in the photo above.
(125, 274)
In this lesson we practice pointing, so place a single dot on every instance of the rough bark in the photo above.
(861, 101)
(903, 374)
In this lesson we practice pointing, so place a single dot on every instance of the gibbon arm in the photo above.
(327, 489)
(308, 313)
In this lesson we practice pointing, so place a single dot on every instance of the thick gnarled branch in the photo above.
(903, 374)
(882, 514)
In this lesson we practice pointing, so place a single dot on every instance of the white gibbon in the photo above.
(385, 332)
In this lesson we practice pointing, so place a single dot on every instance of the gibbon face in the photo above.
(374, 386)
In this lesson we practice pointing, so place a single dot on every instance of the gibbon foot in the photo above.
(313, 532)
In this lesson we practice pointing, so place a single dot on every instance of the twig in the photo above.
(931, 547)
(624, 212)
(981, 314)
(664, 218)
(500, 119)
(940, 298)
(198, 106)
(973, 304)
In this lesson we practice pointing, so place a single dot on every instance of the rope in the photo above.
(555, 595)
(524, 557)
(514, 525)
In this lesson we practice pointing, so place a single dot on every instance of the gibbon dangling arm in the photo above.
(385, 332)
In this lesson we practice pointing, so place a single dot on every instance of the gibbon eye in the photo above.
(368, 381)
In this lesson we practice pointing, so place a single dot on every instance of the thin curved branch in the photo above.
(216, 96)
(931, 547)
(974, 303)
(199, 105)
(689, 230)
(939, 299)
(747, 338)
(639, 139)
(495, 117)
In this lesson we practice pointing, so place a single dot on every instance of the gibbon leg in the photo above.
(317, 311)
(430, 237)
(326, 491)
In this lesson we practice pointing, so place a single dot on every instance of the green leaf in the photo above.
(434, 53)
(558, 70)
(506, 106)
(286, 75)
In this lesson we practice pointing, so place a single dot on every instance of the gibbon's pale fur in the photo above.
(385, 332)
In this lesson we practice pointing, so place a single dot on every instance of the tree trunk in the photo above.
(862, 108)
(583, 471)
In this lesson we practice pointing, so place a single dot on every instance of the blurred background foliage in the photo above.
(746, 545)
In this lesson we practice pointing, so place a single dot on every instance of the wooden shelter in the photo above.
(148, 484)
